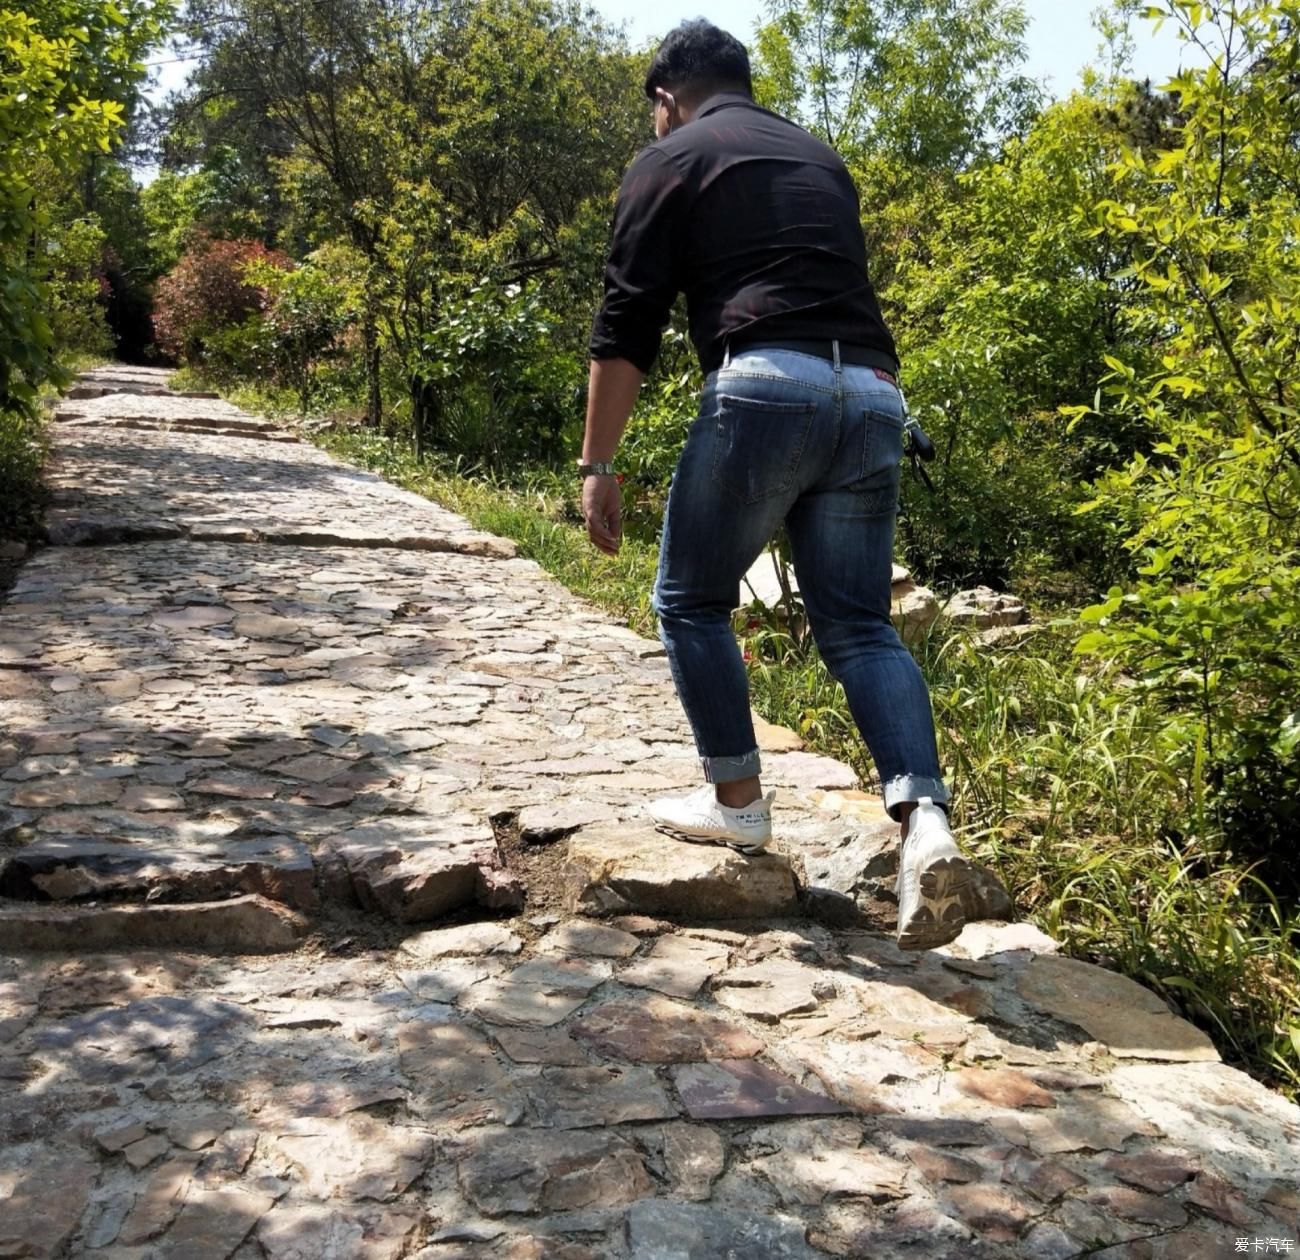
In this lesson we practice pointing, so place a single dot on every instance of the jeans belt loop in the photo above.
(835, 356)
(726, 354)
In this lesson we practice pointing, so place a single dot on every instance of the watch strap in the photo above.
(595, 470)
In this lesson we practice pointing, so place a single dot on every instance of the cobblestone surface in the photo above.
(396, 773)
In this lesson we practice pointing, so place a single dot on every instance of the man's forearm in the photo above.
(611, 394)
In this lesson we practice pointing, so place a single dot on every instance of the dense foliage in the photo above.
(67, 74)
(1209, 510)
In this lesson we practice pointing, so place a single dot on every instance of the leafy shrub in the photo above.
(504, 388)
(77, 286)
(208, 291)
(663, 414)
(22, 451)
(308, 307)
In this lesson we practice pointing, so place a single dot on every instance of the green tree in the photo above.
(1210, 623)
(1004, 313)
(433, 137)
(68, 69)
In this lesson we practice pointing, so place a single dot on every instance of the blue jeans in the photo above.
(788, 437)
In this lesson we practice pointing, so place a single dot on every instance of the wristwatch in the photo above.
(595, 470)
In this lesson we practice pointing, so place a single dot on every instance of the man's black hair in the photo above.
(696, 59)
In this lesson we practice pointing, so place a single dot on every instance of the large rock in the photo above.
(1246, 1131)
(913, 609)
(854, 852)
(982, 608)
(623, 870)
(413, 878)
(241, 925)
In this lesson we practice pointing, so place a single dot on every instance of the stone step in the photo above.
(78, 527)
(80, 868)
(622, 869)
(216, 426)
(97, 389)
(244, 925)
(105, 387)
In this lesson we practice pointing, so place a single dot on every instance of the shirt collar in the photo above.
(724, 100)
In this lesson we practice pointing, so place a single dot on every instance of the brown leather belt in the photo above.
(853, 356)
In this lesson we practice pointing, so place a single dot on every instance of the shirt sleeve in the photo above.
(641, 277)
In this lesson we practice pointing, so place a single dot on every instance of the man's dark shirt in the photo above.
(757, 222)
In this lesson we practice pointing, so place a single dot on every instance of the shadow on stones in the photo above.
(176, 476)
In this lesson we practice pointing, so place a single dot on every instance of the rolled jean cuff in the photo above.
(911, 787)
(728, 769)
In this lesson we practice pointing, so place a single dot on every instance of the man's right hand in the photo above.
(602, 508)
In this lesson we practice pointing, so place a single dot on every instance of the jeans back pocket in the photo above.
(882, 456)
(757, 445)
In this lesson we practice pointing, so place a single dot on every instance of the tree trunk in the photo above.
(417, 415)
(370, 340)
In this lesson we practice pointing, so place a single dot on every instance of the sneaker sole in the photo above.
(747, 848)
(941, 913)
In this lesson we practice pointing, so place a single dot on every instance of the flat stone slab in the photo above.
(153, 480)
(592, 1097)
(677, 965)
(541, 992)
(473, 939)
(655, 1030)
(661, 1230)
(531, 1171)
(242, 925)
(1131, 1021)
(634, 870)
(733, 1089)
(773, 989)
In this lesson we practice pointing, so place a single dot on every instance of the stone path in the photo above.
(328, 928)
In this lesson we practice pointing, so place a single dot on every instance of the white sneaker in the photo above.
(933, 879)
(701, 816)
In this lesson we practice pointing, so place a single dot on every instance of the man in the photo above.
(800, 422)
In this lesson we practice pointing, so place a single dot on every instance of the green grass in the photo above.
(1061, 782)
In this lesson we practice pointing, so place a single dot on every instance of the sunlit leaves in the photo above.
(66, 69)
